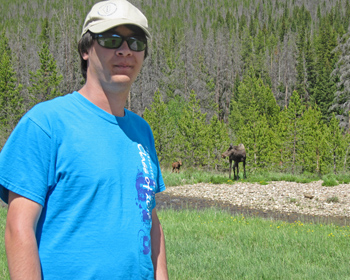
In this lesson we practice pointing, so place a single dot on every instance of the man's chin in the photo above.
(121, 78)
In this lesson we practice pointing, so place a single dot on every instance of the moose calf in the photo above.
(176, 166)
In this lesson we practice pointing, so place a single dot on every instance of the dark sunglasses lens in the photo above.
(115, 41)
(136, 44)
(110, 42)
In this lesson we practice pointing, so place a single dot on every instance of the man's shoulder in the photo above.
(51, 107)
(49, 112)
(53, 103)
(136, 118)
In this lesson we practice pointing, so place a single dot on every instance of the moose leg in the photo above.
(230, 169)
(234, 171)
(245, 176)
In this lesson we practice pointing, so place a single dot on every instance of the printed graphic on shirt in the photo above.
(145, 244)
(145, 186)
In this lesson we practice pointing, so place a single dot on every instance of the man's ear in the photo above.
(85, 55)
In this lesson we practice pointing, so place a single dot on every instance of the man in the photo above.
(80, 172)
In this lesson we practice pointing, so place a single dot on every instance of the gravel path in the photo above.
(281, 200)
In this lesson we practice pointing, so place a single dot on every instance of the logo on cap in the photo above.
(107, 10)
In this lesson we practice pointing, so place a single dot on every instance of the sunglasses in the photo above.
(114, 41)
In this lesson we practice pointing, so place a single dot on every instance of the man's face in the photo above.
(114, 66)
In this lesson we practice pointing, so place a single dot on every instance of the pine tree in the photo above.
(341, 102)
(310, 68)
(217, 141)
(293, 142)
(192, 135)
(251, 91)
(10, 91)
(162, 128)
(282, 141)
(247, 50)
(251, 119)
(301, 76)
(336, 144)
(175, 108)
(259, 142)
(312, 134)
(236, 120)
(45, 81)
(326, 58)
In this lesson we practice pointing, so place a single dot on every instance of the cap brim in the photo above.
(106, 25)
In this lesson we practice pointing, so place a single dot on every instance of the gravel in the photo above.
(285, 197)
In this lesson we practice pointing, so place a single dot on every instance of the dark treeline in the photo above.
(271, 74)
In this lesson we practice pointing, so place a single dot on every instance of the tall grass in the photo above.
(212, 244)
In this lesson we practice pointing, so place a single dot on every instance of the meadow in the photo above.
(4, 275)
(212, 244)
(194, 176)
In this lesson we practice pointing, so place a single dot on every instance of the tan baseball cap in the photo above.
(105, 15)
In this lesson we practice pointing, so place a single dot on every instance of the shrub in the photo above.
(329, 181)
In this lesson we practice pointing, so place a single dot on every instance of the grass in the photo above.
(194, 176)
(4, 274)
(333, 199)
(212, 244)
(329, 181)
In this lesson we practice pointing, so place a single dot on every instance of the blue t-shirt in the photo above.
(96, 176)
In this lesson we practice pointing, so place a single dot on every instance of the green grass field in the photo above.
(194, 176)
(212, 244)
(4, 275)
(215, 245)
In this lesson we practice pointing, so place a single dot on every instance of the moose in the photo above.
(236, 154)
(176, 166)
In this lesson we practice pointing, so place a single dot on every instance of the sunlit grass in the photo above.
(4, 274)
(194, 176)
(212, 244)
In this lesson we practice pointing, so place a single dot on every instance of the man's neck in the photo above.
(111, 102)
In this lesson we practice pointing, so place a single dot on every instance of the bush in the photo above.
(329, 181)
(343, 178)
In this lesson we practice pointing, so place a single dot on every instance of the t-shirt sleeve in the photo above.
(161, 184)
(25, 162)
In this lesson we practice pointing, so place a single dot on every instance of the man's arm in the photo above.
(158, 249)
(20, 241)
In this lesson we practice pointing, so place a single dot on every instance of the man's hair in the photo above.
(86, 42)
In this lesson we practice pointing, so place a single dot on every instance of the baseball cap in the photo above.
(105, 15)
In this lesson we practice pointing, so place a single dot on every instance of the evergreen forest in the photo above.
(271, 74)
